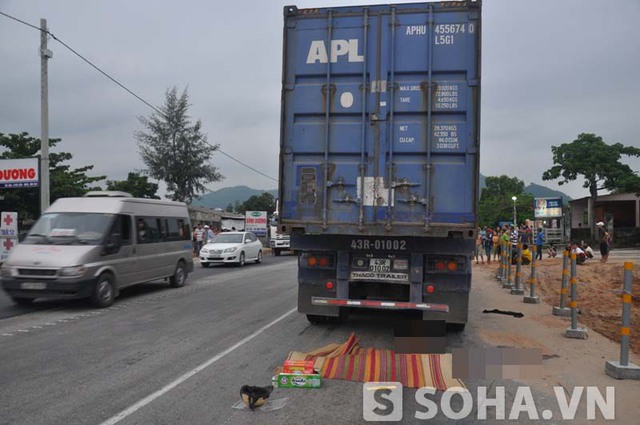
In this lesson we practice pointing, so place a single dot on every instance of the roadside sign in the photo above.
(8, 233)
(21, 172)
(256, 222)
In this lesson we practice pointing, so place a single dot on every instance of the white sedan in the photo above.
(232, 247)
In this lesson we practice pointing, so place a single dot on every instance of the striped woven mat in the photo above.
(351, 362)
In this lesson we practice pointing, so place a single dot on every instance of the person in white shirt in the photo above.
(200, 235)
(581, 257)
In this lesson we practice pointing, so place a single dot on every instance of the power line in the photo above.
(127, 89)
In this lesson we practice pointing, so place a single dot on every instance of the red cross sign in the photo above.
(8, 244)
(8, 220)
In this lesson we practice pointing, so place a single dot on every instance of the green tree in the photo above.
(175, 150)
(598, 163)
(135, 184)
(64, 181)
(265, 202)
(229, 208)
(496, 202)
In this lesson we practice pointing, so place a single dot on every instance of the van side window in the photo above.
(121, 229)
(184, 231)
(148, 230)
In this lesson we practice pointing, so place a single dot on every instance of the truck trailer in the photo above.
(379, 164)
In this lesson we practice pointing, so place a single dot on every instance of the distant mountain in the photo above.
(229, 195)
(538, 191)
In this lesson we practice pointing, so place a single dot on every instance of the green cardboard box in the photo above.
(297, 380)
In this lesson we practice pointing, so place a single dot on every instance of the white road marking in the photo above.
(151, 397)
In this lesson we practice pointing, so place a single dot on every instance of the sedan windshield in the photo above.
(222, 238)
(69, 229)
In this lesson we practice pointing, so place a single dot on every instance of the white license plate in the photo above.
(379, 265)
(33, 285)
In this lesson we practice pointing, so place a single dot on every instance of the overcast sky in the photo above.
(550, 70)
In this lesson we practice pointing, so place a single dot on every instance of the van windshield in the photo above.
(69, 229)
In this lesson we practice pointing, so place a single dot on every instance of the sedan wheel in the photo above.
(241, 260)
(259, 259)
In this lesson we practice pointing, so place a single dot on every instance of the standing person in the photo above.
(208, 234)
(496, 244)
(488, 244)
(199, 235)
(479, 249)
(605, 247)
(539, 241)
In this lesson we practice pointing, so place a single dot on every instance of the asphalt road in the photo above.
(179, 356)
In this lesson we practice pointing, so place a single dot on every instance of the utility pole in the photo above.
(45, 54)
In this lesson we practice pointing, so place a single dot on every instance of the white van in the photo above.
(92, 247)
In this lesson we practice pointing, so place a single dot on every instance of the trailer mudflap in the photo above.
(387, 305)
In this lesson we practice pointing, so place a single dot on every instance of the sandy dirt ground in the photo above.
(568, 363)
(599, 289)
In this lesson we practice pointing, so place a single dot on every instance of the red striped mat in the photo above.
(351, 362)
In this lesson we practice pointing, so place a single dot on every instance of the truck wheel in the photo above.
(23, 301)
(276, 251)
(104, 292)
(179, 276)
(456, 327)
(315, 319)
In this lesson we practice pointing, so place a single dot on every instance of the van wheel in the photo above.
(241, 260)
(104, 292)
(259, 260)
(179, 277)
(23, 301)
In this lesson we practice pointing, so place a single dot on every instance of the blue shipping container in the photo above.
(380, 119)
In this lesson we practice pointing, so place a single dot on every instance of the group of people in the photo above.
(583, 251)
(488, 243)
(202, 235)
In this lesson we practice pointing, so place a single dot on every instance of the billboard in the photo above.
(16, 173)
(256, 222)
(547, 207)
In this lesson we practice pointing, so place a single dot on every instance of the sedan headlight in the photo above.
(232, 249)
(8, 271)
(204, 251)
(76, 271)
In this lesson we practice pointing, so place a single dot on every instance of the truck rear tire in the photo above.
(456, 327)
(276, 251)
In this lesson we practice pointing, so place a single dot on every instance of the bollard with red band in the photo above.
(624, 369)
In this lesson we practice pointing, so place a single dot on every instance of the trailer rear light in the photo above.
(321, 261)
(440, 266)
(452, 266)
(329, 285)
(430, 289)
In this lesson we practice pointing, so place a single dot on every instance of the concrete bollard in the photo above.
(623, 369)
(508, 283)
(563, 310)
(518, 288)
(532, 298)
(574, 331)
